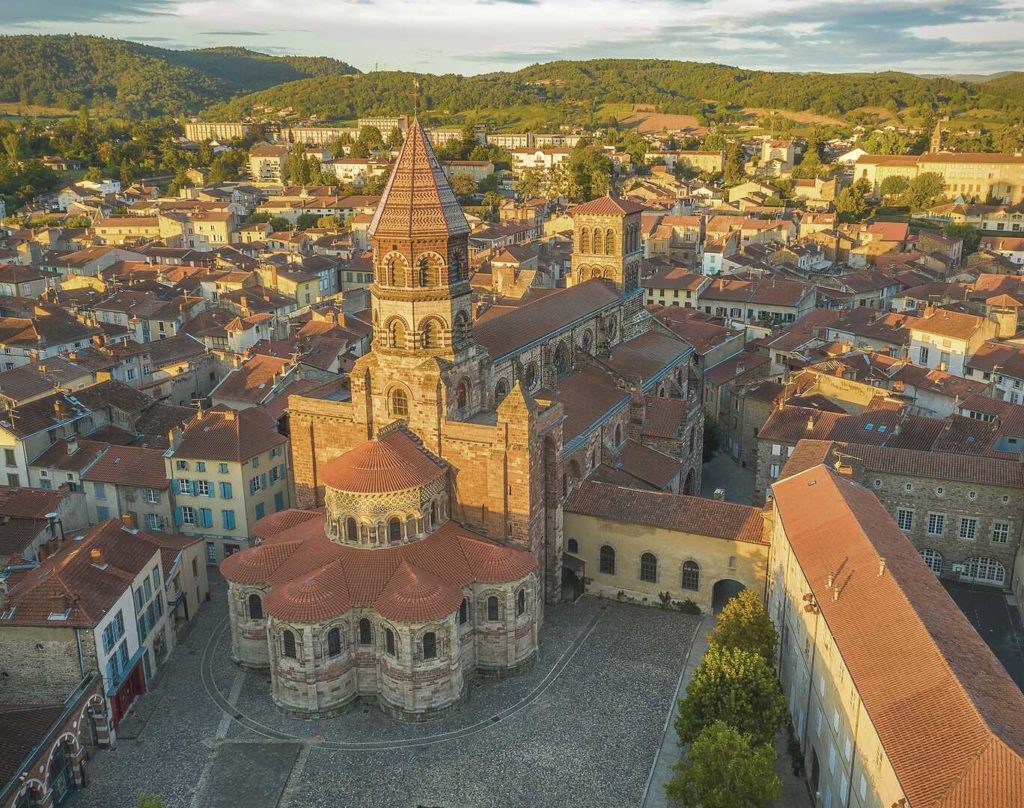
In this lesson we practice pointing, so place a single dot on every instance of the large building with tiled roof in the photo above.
(895, 699)
(432, 485)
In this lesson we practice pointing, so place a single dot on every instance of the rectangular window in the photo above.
(211, 552)
(223, 469)
(1000, 532)
(200, 465)
(154, 521)
(203, 489)
(188, 515)
(9, 457)
(184, 486)
(147, 589)
(256, 462)
(100, 490)
(228, 520)
(968, 528)
(275, 473)
(102, 513)
(261, 510)
(936, 524)
(205, 517)
(225, 491)
(773, 471)
(254, 484)
(152, 496)
(181, 465)
(278, 501)
(905, 519)
(923, 356)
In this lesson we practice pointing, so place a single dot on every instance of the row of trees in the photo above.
(731, 714)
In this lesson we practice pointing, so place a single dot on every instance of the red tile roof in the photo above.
(950, 719)
(394, 462)
(311, 578)
(131, 466)
(664, 417)
(226, 434)
(647, 464)
(608, 206)
(696, 515)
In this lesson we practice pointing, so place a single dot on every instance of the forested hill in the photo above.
(130, 79)
(676, 87)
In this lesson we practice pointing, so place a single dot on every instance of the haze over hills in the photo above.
(135, 80)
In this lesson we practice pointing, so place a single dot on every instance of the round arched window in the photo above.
(399, 403)
(530, 376)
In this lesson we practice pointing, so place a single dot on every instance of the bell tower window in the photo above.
(399, 403)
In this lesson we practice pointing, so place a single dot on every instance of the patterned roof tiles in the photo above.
(394, 462)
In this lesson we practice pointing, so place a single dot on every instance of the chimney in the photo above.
(719, 495)
(129, 521)
(58, 602)
(831, 580)
(810, 423)
(881, 566)
(72, 444)
(96, 556)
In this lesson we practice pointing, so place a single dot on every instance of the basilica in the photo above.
(428, 539)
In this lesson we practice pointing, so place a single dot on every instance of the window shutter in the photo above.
(263, 479)
(210, 492)
(175, 487)
(177, 515)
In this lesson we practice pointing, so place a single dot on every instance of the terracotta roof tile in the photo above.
(703, 517)
(132, 466)
(608, 206)
(226, 434)
(394, 462)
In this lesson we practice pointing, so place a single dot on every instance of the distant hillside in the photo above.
(675, 87)
(130, 79)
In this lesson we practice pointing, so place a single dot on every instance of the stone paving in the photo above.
(721, 471)
(581, 728)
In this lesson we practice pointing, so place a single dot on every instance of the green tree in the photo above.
(892, 187)
(463, 185)
(279, 224)
(732, 173)
(924, 189)
(331, 222)
(852, 203)
(722, 769)
(970, 235)
(395, 138)
(529, 183)
(744, 623)
(305, 221)
(735, 686)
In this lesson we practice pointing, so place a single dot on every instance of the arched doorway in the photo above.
(724, 591)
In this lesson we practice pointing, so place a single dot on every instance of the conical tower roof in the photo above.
(418, 201)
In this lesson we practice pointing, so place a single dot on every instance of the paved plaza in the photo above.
(581, 728)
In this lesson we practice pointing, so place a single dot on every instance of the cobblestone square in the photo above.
(581, 728)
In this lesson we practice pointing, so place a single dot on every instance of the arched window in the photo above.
(618, 434)
(433, 515)
(255, 607)
(389, 641)
(333, 642)
(561, 359)
(396, 334)
(429, 645)
(693, 435)
(462, 328)
(584, 240)
(648, 568)
(933, 558)
(351, 529)
(573, 546)
(587, 341)
(288, 644)
(424, 277)
(609, 242)
(492, 608)
(500, 391)
(394, 530)
(691, 575)
(398, 403)
(365, 632)
(520, 601)
(396, 271)
(431, 335)
(607, 560)
(462, 395)
(597, 241)
(530, 376)
(574, 471)
(463, 612)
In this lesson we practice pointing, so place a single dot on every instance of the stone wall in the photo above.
(40, 665)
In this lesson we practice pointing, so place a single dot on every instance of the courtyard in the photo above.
(582, 727)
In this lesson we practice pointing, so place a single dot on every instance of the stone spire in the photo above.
(417, 201)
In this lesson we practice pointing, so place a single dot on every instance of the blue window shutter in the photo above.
(177, 515)
(206, 517)
(229, 519)
(263, 480)
(175, 487)
(211, 489)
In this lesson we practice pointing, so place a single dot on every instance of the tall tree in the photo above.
(744, 623)
(722, 769)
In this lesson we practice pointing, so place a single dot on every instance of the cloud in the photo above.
(69, 11)
(236, 33)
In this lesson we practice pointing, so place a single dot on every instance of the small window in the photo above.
(649, 568)
(908, 487)
(936, 524)
(877, 483)
(940, 491)
(520, 602)
(905, 519)
(333, 642)
(492, 608)
(691, 576)
(288, 642)
(429, 645)
(1000, 532)
(389, 641)
(463, 612)
(968, 528)
(972, 495)
(255, 607)
(607, 560)
(573, 546)
(399, 403)
(365, 632)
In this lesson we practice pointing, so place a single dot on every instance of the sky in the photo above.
(478, 36)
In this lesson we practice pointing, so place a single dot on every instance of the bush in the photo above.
(689, 607)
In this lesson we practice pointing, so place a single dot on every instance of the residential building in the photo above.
(130, 481)
(943, 339)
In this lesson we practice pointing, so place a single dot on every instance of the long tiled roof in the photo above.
(311, 578)
(702, 517)
(394, 462)
(523, 324)
(226, 434)
(608, 206)
(130, 466)
(950, 719)
(417, 198)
